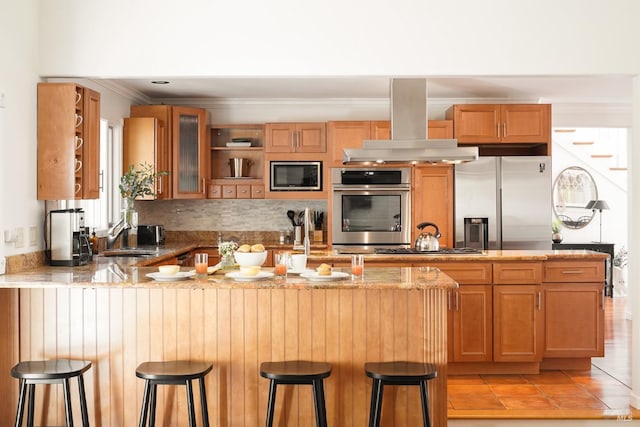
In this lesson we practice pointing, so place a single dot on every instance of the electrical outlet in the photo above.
(33, 235)
(19, 237)
(3, 265)
(9, 236)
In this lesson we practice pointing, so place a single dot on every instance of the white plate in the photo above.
(335, 275)
(238, 276)
(181, 275)
(304, 270)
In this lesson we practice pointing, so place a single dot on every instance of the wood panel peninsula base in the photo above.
(394, 314)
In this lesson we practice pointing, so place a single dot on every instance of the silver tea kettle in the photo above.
(427, 242)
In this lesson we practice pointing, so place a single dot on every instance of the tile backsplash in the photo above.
(224, 215)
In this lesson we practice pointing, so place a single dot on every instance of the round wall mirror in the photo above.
(572, 190)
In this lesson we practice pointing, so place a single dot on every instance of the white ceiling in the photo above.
(565, 89)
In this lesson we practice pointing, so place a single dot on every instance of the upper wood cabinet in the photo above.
(186, 130)
(440, 129)
(432, 200)
(295, 138)
(492, 123)
(249, 182)
(68, 142)
(345, 134)
(145, 141)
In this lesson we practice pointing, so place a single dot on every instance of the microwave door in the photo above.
(296, 176)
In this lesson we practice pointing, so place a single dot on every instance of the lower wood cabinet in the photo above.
(496, 314)
(574, 320)
(518, 323)
(432, 200)
(574, 309)
(471, 324)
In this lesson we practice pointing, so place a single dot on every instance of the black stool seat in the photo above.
(180, 372)
(297, 372)
(398, 373)
(56, 371)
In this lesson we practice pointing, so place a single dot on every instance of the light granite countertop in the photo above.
(133, 271)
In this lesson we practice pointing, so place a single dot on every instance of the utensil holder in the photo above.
(297, 235)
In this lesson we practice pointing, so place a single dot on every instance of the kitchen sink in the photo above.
(128, 252)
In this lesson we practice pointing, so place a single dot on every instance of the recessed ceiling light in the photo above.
(160, 82)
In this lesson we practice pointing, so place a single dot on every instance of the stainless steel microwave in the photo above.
(295, 175)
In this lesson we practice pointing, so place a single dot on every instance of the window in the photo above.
(99, 213)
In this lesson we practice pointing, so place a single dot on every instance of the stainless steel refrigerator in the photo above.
(514, 193)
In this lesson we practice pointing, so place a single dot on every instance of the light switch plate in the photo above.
(19, 237)
(33, 235)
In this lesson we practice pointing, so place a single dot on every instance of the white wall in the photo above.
(18, 77)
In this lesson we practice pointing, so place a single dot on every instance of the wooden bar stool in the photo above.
(297, 372)
(398, 373)
(56, 371)
(180, 372)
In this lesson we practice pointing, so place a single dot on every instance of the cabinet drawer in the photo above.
(229, 192)
(243, 191)
(517, 273)
(214, 191)
(468, 274)
(257, 191)
(582, 271)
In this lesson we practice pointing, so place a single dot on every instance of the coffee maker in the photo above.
(68, 238)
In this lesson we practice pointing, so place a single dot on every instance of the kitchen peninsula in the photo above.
(109, 312)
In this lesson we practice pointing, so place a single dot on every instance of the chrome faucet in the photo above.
(307, 225)
(115, 231)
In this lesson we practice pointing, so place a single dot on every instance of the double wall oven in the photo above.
(371, 207)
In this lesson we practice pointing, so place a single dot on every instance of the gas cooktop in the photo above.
(441, 251)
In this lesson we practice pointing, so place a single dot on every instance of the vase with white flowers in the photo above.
(226, 250)
(134, 184)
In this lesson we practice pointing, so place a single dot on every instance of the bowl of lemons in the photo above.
(250, 256)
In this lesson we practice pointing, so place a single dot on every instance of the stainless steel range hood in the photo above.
(409, 143)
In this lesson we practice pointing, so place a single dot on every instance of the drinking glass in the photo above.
(202, 264)
(281, 264)
(357, 265)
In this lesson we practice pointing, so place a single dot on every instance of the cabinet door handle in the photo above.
(498, 129)
(539, 301)
(204, 186)
(160, 185)
(572, 271)
(457, 301)
(504, 130)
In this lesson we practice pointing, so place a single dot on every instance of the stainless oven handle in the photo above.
(354, 188)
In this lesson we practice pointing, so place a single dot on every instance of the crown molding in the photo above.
(133, 95)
